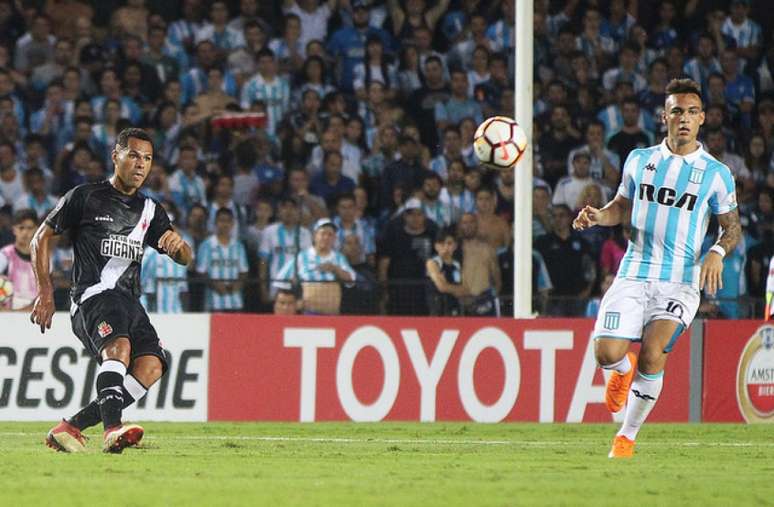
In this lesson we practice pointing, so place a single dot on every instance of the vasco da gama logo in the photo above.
(755, 377)
(122, 247)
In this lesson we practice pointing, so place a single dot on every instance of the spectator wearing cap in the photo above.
(744, 31)
(407, 245)
(320, 269)
(331, 182)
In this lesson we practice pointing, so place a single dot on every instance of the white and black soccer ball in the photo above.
(499, 142)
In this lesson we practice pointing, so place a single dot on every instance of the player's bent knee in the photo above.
(118, 349)
(606, 354)
(651, 360)
(147, 369)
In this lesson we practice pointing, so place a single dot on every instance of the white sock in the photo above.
(623, 366)
(642, 398)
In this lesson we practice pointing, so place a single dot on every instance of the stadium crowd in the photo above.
(363, 176)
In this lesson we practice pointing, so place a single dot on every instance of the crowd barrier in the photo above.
(241, 367)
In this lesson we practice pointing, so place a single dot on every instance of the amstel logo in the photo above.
(755, 377)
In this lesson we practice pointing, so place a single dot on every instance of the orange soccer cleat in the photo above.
(65, 437)
(622, 447)
(618, 386)
(120, 437)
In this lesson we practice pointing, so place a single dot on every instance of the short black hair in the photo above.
(685, 85)
(122, 139)
(23, 215)
(443, 233)
(344, 197)
(224, 211)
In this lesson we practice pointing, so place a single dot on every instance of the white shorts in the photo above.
(629, 305)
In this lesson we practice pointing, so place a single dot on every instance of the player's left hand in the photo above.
(710, 276)
(171, 243)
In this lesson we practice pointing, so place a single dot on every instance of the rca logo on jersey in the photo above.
(122, 247)
(667, 196)
(755, 377)
(104, 329)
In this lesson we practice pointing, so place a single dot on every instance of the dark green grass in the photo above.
(393, 464)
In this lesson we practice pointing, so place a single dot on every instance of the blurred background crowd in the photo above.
(370, 108)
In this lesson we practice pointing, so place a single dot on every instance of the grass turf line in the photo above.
(393, 464)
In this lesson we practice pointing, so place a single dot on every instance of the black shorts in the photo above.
(110, 315)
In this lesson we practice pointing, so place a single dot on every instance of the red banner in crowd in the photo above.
(412, 369)
(738, 372)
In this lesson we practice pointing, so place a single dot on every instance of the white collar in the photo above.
(690, 158)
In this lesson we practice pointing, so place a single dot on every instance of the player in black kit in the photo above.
(110, 223)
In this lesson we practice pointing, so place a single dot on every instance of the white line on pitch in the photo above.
(409, 441)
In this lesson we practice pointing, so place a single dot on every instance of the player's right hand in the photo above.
(587, 217)
(43, 310)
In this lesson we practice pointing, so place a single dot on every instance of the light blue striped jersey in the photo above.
(222, 262)
(746, 34)
(360, 228)
(307, 267)
(164, 278)
(275, 94)
(672, 198)
(279, 245)
(187, 191)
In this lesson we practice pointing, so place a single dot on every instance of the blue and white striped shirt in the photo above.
(672, 198)
(307, 267)
(362, 229)
(187, 191)
(41, 208)
(276, 96)
(222, 262)
(164, 278)
(194, 83)
(747, 34)
(278, 245)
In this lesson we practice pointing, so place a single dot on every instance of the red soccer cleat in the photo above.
(64, 437)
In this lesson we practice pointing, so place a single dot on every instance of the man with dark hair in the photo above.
(631, 136)
(15, 262)
(667, 192)
(423, 101)
(223, 258)
(285, 303)
(110, 223)
(35, 198)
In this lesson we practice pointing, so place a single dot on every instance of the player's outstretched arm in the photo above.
(175, 247)
(711, 274)
(40, 249)
(614, 213)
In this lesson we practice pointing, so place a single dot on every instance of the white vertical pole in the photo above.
(522, 199)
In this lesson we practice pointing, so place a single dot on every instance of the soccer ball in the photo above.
(499, 142)
(6, 289)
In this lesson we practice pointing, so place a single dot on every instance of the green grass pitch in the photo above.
(393, 464)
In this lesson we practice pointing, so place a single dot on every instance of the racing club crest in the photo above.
(104, 329)
(755, 377)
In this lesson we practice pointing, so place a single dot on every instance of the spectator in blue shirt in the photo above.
(459, 105)
(330, 182)
(739, 92)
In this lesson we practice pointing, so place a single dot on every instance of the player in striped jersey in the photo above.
(222, 257)
(668, 191)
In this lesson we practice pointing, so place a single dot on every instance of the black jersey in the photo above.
(109, 232)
